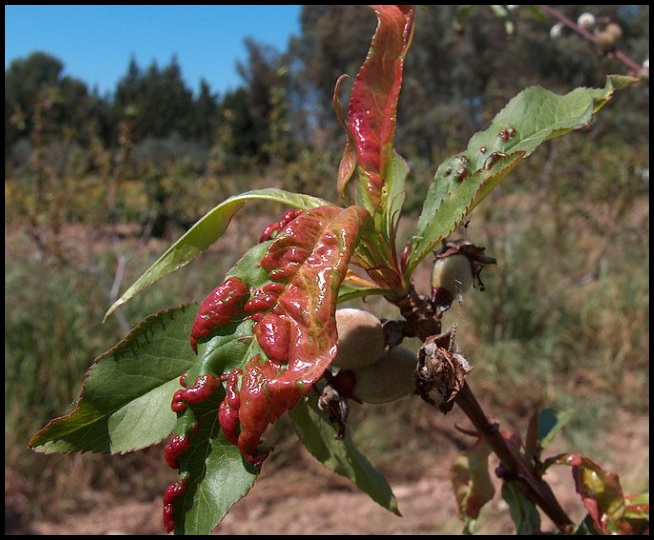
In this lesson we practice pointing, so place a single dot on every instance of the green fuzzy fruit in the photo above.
(453, 273)
(391, 377)
(360, 338)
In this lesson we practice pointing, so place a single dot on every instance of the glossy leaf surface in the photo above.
(372, 118)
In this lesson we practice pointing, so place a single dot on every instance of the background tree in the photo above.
(205, 109)
(40, 77)
(469, 69)
(159, 100)
(264, 77)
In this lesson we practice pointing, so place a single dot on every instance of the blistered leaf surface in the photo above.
(534, 116)
(262, 350)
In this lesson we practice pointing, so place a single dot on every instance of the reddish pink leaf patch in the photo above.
(222, 306)
(228, 410)
(273, 229)
(173, 491)
(292, 320)
(274, 336)
(600, 492)
(373, 103)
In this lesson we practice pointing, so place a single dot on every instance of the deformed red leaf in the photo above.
(600, 493)
(376, 90)
(471, 480)
(349, 159)
(637, 513)
(635, 508)
(228, 410)
(292, 321)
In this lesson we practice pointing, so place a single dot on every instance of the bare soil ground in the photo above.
(308, 499)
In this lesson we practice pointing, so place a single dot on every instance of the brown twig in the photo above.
(424, 323)
(534, 487)
(634, 66)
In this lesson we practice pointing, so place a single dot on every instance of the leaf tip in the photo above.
(113, 308)
(394, 507)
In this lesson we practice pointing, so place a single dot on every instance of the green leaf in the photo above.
(205, 232)
(543, 427)
(124, 403)
(524, 513)
(394, 194)
(550, 423)
(318, 435)
(227, 478)
(471, 480)
(534, 116)
(376, 254)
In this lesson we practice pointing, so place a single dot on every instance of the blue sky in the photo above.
(95, 43)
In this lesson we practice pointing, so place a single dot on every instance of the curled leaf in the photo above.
(297, 334)
(471, 480)
(348, 162)
(600, 493)
(280, 298)
(373, 103)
